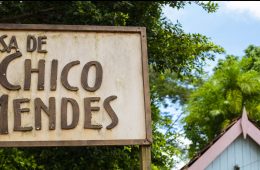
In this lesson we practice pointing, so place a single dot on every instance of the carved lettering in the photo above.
(2, 42)
(51, 112)
(13, 44)
(4, 114)
(111, 112)
(84, 76)
(17, 114)
(31, 43)
(64, 113)
(88, 115)
(41, 41)
(29, 70)
(64, 76)
(54, 73)
(3, 68)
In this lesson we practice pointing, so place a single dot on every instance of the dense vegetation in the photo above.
(212, 107)
(175, 61)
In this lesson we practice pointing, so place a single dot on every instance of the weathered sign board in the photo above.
(64, 85)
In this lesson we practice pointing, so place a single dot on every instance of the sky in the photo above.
(234, 26)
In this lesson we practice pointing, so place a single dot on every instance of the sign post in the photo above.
(63, 85)
(145, 154)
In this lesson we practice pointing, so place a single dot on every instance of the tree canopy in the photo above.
(176, 59)
(212, 107)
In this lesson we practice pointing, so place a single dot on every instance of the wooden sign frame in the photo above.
(99, 29)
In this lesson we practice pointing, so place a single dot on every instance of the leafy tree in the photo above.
(175, 60)
(213, 106)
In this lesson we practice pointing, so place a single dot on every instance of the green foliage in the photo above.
(211, 107)
(12, 158)
(209, 7)
(175, 58)
(92, 158)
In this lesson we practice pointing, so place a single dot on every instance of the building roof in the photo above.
(239, 126)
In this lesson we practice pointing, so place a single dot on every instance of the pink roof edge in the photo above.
(243, 125)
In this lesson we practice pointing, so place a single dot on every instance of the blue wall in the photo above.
(242, 152)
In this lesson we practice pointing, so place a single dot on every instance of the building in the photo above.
(237, 148)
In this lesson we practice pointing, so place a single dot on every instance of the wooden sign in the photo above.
(66, 85)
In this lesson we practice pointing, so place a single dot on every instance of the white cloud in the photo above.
(244, 7)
